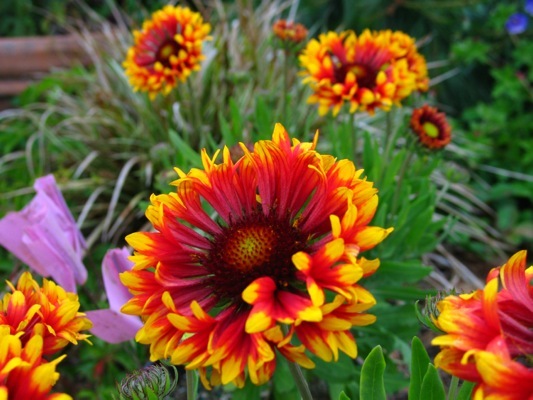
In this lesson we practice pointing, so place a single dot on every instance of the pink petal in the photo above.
(44, 236)
(115, 262)
(112, 326)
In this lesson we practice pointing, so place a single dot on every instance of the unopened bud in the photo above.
(152, 382)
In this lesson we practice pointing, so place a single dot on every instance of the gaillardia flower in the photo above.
(48, 311)
(376, 69)
(250, 254)
(489, 334)
(24, 374)
(167, 50)
(289, 31)
(431, 127)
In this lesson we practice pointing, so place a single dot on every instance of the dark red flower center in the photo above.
(168, 48)
(257, 245)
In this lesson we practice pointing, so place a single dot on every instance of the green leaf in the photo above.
(236, 118)
(419, 366)
(343, 396)
(284, 386)
(372, 385)
(343, 370)
(402, 293)
(398, 272)
(183, 148)
(465, 392)
(248, 392)
(225, 130)
(471, 50)
(432, 387)
(264, 120)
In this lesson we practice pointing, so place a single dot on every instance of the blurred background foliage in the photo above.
(110, 148)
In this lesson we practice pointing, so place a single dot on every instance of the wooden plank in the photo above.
(13, 87)
(32, 55)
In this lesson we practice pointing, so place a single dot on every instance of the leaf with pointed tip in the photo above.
(372, 386)
(419, 366)
(432, 387)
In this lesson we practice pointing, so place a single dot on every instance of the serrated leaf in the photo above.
(432, 387)
(419, 366)
(372, 385)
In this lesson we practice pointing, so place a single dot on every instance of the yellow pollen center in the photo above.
(431, 130)
(249, 247)
(359, 71)
(166, 51)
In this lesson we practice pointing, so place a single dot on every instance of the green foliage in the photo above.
(432, 387)
(503, 121)
(419, 365)
(372, 386)
(48, 17)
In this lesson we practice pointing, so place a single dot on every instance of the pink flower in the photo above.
(110, 324)
(44, 236)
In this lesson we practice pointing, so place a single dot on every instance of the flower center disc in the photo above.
(255, 246)
(249, 247)
(431, 130)
(167, 49)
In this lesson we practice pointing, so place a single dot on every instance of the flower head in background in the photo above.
(289, 31)
(44, 236)
(489, 333)
(24, 373)
(110, 324)
(516, 24)
(48, 311)
(376, 69)
(246, 247)
(528, 7)
(167, 50)
(431, 127)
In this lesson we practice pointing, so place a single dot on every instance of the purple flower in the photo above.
(44, 236)
(516, 24)
(528, 7)
(110, 324)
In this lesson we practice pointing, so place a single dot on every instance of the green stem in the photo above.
(452, 391)
(297, 374)
(196, 119)
(354, 140)
(390, 141)
(192, 384)
(300, 381)
(390, 133)
(401, 175)
(285, 85)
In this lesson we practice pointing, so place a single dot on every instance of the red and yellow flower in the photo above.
(431, 127)
(289, 31)
(167, 50)
(376, 69)
(24, 374)
(48, 311)
(489, 334)
(251, 256)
